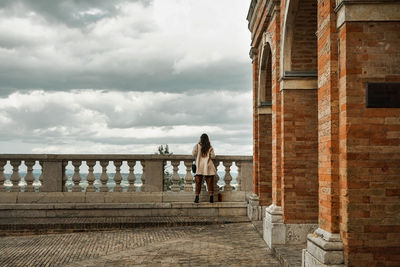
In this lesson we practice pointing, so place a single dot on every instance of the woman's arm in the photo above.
(212, 154)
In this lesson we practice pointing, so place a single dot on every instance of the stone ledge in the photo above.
(61, 225)
(122, 205)
(112, 197)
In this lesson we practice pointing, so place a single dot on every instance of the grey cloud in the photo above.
(67, 12)
(224, 75)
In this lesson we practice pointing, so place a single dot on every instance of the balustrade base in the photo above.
(115, 197)
(67, 210)
(323, 249)
(278, 233)
(254, 210)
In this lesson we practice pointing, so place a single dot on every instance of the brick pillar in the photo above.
(369, 140)
(298, 214)
(328, 146)
(253, 207)
(265, 156)
(299, 156)
(255, 127)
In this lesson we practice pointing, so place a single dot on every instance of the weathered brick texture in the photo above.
(274, 31)
(328, 118)
(265, 159)
(333, 159)
(369, 145)
(255, 127)
(299, 156)
(304, 48)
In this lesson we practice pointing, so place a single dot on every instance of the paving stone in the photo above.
(289, 255)
(235, 244)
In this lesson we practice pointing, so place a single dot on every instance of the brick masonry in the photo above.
(333, 159)
(299, 157)
(369, 145)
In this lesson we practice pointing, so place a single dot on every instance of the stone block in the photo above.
(310, 261)
(94, 197)
(297, 233)
(232, 211)
(233, 196)
(182, 196)
(8, 197)
(201, 212)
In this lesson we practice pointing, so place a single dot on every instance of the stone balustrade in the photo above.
(116, 173)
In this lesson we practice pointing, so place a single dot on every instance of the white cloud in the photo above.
(161, 71)
(120, 121)
(155, 45)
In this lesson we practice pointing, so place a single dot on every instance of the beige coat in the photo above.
(205, 165)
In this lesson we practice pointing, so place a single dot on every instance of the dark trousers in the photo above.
(199, 181)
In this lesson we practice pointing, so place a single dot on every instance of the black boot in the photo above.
(211, 199)
(196, 199)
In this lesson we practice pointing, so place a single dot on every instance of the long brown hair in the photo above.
(205, 144)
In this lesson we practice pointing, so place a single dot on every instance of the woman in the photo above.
(203, 153)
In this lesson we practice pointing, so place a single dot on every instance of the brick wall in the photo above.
(304, 47)
(299, 156)
(265, 159)
(255, 127)
(369, 146)
(328, 118)
(274, 31)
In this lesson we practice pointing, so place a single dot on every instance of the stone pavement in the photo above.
(235, 244)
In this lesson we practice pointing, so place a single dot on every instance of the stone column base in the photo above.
(278, 233)
(254, 210)
(323, 249)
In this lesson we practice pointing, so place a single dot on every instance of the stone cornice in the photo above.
(253, 54)
(366, 10)
(250, 14)
(265, 11)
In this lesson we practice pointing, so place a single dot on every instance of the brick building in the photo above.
(326, 87)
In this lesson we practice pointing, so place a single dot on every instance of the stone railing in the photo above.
(116, 173)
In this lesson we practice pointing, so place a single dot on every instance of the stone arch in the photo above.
(299, 40)
(299, 109)
(265, 76)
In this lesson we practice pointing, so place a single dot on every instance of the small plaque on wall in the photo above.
(383, 95)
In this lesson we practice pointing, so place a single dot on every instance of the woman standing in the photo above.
(203, 153)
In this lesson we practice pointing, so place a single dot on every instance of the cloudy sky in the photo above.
(114, 76)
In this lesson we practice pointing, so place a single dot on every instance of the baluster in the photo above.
(104, 176)
(216, 177)
(188, 176)
(143, 178)
(2, 176)
(41, 174)
(228, 176)
(29, 177)
(131, 176)
(166, 177)
(239, 176)
(15, 178)
(175, 176)
(76, 178)
(117, 177)
(65, 178)
(90, 177)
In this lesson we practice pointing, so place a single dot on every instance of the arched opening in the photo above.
(265, 77)
(265, 126)
(299, 42)
(299, 94)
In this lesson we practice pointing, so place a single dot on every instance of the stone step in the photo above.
(61, 210)
(24, 226)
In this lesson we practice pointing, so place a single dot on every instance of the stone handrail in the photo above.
(54, 178)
